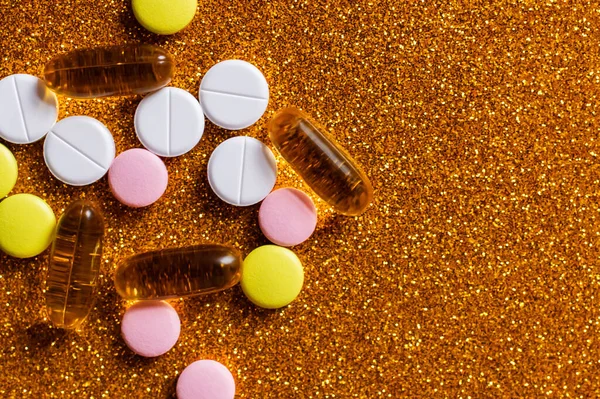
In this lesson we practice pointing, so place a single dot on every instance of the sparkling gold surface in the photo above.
(475, 273)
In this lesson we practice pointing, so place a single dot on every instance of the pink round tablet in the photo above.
(287, 217)
(150, 328)
(205, 379)
(138, 178)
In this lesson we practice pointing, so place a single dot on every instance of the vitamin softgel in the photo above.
(110, 71)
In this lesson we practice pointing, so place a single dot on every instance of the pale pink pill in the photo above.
(150, 328)
(138, 178)
(287, 217)
(205, 379)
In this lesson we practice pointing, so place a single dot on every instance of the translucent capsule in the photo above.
(74, 265)
(321, 162)
(110, 71)
(178, 272)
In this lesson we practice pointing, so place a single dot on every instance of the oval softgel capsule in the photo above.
(110, 71)
(178, 272)
(321, 162)
(74, 267)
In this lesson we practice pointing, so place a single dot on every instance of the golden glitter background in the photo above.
(475, 273)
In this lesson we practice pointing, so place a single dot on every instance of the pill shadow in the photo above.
(108, 306)
(10, 265)
(171, 390)
(42, 335)
(136, 32)
(328, 229)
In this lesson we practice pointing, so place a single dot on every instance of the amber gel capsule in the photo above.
(74, 265)
(178, 272)
(110, 71)
(321, 162)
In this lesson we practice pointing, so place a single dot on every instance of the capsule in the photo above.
(178, 272)
(71, 283)
(110, 71)
(321, 162)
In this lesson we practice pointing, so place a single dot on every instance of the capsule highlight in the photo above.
(178, 272)
(71, 282)
(321, 162)
(110, 71)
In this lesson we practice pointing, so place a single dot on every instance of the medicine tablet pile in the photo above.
(234, 94)
(242, 171)
(28, 109)
(79, 150)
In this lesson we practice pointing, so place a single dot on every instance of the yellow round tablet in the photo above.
(26, 225)
(8, 171)
(164, 17)
(272, 276)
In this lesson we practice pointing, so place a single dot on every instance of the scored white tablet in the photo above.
(242, 171)
(28, 109)
(79, 150)
(169, 122)
(234, 94)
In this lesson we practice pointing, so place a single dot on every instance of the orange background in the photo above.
(475, 272)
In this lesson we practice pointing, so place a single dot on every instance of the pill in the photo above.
(272, 277)
(242, 171)
(150, 328)
(138, 178)
(321, 162)
(287, 217)
(74, 266)
(27, 109)
(178, 272)
(164, 17)
(234, 94)
(169, 122)
(110, 71)
(9, 171)
(79, 150)
(205, 379)
(26, 225)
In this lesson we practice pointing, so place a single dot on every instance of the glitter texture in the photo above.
(475, 272)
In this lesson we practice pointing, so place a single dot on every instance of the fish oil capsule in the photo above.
(178, 272)
(321, 162)
(110, 71)
(74, 266)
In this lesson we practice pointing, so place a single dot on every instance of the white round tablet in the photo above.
(28, 109)
(169, 122)
(234, 94)
(79, 150)
(242, 171)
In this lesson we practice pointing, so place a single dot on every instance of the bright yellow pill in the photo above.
(8, 171)
(272, 276)
(164, 17)
(26, 225)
